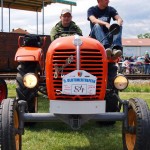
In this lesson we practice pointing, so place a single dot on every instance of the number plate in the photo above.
(79, 82)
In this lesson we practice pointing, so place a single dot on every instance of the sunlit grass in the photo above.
(11, 90)
(138, 86)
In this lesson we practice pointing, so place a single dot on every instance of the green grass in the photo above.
(140, 86)
(59, 136)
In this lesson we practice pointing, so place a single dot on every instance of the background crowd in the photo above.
(134, 64)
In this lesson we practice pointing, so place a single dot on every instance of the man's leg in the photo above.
(117, 44)
(98, 33)
(145, 69)
(148, 68)
(117, 40)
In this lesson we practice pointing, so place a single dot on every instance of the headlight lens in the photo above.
(30, 80)
(121, 82)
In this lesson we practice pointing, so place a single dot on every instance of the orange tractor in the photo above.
(81, 85)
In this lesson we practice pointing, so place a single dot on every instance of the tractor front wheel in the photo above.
(137, 135)
(10, 137)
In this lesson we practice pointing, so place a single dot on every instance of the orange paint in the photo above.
(92, 59)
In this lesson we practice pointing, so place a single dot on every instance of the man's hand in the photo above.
(107, 25)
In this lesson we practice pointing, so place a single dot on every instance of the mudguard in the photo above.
(28, 54)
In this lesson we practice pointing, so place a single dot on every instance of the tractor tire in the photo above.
(10, 139)
(3, 90)
(111, 106)
(111, 100)
(138, 135)
(23, 93)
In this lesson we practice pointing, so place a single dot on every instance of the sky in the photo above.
(135, 15)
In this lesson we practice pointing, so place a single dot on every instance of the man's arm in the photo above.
(100, 22)
(119, 20)
(78, 30)
(52, 34)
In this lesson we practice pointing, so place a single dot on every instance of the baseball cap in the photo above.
(64, 11)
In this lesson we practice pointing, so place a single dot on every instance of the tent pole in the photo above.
(1, 15)
(43, 18)
(37, 20)
(71, 8)
(9, 19)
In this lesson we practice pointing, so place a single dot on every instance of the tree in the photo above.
(144, 36)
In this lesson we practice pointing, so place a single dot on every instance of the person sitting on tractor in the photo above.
(100, 17)
(65, 26)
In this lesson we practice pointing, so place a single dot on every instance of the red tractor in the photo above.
(81, 85)
(3, 90)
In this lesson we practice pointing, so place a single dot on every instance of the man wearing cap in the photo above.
(65, 26)
(100, 17)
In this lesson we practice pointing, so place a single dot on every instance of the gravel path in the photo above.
(139, 81)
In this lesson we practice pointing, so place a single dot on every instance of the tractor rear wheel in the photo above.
(10, 139)
(23, 93)
(137, 136)
(3, 90)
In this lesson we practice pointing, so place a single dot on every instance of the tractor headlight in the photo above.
(121, 82)
(30, 80)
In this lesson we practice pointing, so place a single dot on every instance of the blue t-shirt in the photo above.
(104, 15)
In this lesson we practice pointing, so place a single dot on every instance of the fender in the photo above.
(30, 54)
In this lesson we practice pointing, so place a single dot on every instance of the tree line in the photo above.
(144, 36)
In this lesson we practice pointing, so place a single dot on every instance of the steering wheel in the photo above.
(66, 32)
(114, 29)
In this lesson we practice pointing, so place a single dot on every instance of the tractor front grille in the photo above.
(91, 60)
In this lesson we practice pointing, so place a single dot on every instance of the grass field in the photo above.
(59, 136)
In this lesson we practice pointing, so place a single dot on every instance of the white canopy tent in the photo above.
(30, 5)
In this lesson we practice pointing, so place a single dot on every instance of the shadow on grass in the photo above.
(98, 137)
(91, 136)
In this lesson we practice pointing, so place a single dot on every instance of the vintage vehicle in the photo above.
(3, 90)
(81, 85)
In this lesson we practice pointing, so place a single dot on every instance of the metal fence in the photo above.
(131, 68)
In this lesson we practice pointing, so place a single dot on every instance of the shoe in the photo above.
(117, 47)
(106, 46)
(109, 53)
(116, 54)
